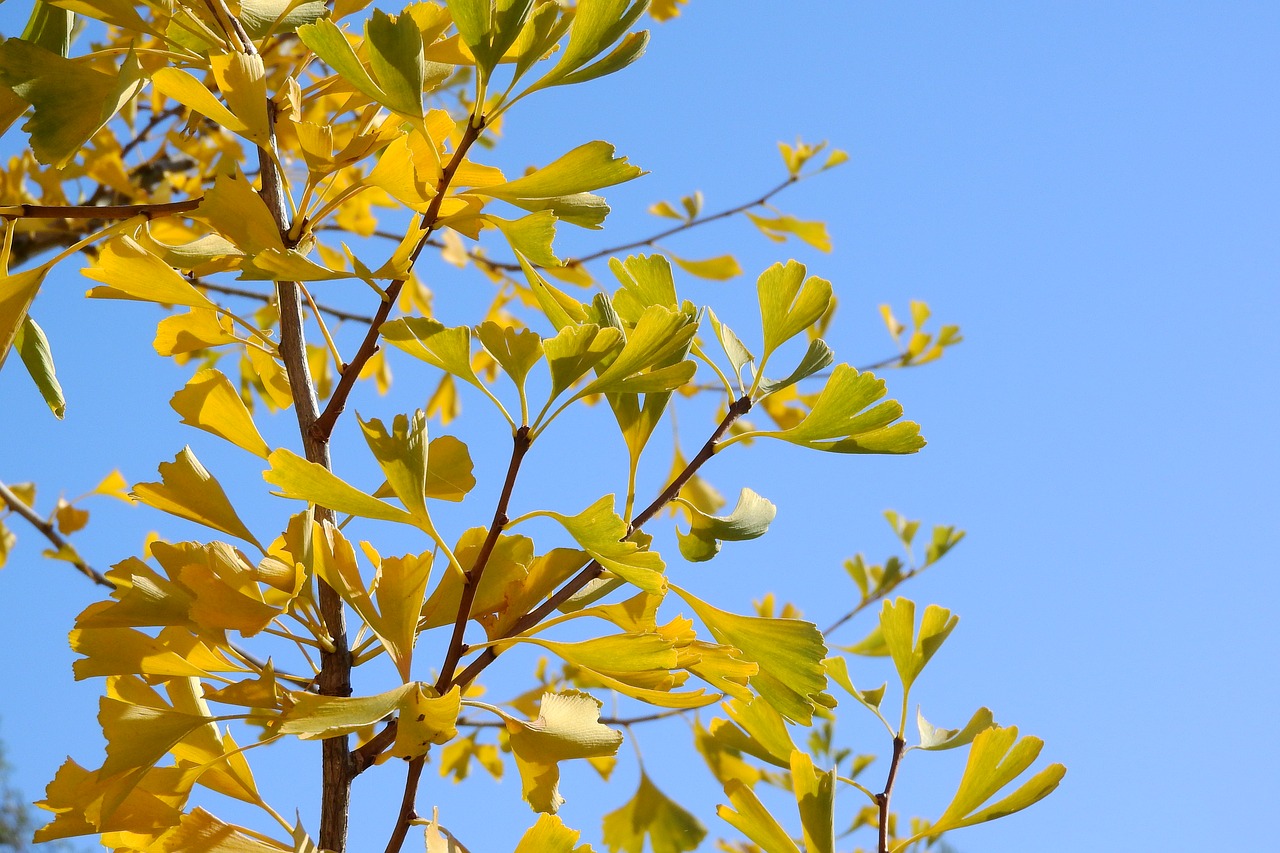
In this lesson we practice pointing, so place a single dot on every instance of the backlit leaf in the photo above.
(897, 621)
(789, 303)
(189, 491)
(550, 835)
(816, 357)
(719, 268)
(395, 54)
(659, 334)
(426, 719)
(788, 651)
(568, 726)
(402, 455)
(139, 736)
(17, 292)
(778, 227)
(517, 350)
(302, 480)
(749, 520)
(753, 820)
(210, 402)
(311, 716)
(201, 832)
(438, 345)
(815, 800)
(601, 532)
(934, 738)
(563, 186)
(576, 350)
(669, 827)
(530, 236)
(131, 272)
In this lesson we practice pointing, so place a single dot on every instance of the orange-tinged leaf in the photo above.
(210, 402)
(189, 491)
(131, 272)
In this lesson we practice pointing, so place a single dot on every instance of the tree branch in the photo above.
(97, 211)
(47, 529)
(262, 297)
(408, 812)
(882, 800)
(323, 426)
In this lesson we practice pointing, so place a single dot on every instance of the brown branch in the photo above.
(882, 800)
(47, 529)
(408, 813)
(97, 211)
(457, 648)
(262, 297)
(323, 426)
(875, 596)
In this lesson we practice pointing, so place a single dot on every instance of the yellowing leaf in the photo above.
(934, 738)
(131, 272)
(788, 651)
(719, 268)
(71, 100)
(302, 480)
(402, 455)
(430, 340)
(597, 25)
(115, 486)
(235, 211)
(201, 832)
(753, 820)
(517, 350)
(311, 716)
(789, 303)
(242, 80)
(222, 583)
(601, 532)
(777, 228)
(659, 336)
(189, 491)
(139, 736)
(121, 651)
(210, 402)
(197, 329)
(815, 800)
(530, 236)
(550, 835)
(576, 350)
(426, 718)
(669, 827)
(17, 292)
(563, 186)
(568, 726)
(749, 520)
(897, 621)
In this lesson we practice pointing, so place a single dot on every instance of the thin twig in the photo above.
(875, 596)
(97, 211)
(265, 298)
(46, 528)
(323, 426)
(408, 812)
(882, 800)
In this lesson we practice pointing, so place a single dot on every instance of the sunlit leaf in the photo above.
(438, 345)
(815, 800)
(778, 227)
(402, 455)
(530, 236)
(568, 726)
(753, 820)
(789, 302)
(719, 268)
(816, 357)
(563, 186)
(306, 481)
(658, 335)
(233, 209)
(210, 402)
(426, 719)
(33, 348)
(576, 350)
(897, 621)
(17, 292)
(601, 532)
(550, 835)
(749, 520)
(395, 55)
(668, 826)
(189, 491)
(934, 738)
(517, 350)
(311, 716)
(789, 653)
(131, 272)
(139, 736)
(201, 832)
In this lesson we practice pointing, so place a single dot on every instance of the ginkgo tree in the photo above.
(277, 144)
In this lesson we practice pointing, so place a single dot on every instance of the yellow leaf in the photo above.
(306, 481)
(70, 518)
(197, 329)
(426, 718)
(209, 402)
(719, 268)
(223, 585)
(123, 651)
(550, 835)
(189, 491)
(568, 726)
(235, 211)
(191, 93)
(115, 486)
(312, 717)
(274, 379)
(131, 272)
(201, 832)
(17, 292)
(242, 80)
(139, 736)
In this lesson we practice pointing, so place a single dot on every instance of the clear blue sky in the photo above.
(1091, 191)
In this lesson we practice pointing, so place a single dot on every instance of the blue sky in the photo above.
(1088, 189)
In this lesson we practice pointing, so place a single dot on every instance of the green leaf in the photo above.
(50, 27)
(669, 827)
(33, 347)
(760, 731)
(395, 55)
(489, 28)
(632, 48)
(789, 652)
(749, 520)
(996, 758)
(818, 356)
(602, 533)
(390, 41)
(659, 335)
(72, 101)
(431, 341)
(402, 455)
(897, 621)
(576, 350)
(837, 423)
(646, 280)
(753, 820)
(187, 490)
(530, 236)
(739, 355)
(299, 479)
(279, 16)
(815, 798)
(563, 186)
(517, 350)
(934, 738)
(789, 303)
(597, 24)
(568, 726)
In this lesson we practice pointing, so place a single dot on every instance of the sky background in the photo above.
(1088, 189)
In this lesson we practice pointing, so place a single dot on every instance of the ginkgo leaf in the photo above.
(489, 29)
(449, 469)
(131, 272)
(115, 486)
(193, 330)
(934, 738)
(187, 490)
(209, 402)
(568, 726)
(816, 357)
(838, 670)
(235, 211)
(312, 717)
(530, 236)
(596, 26)
(121, 651)
(438, 345)
(815, 800)
(242, 80)
(575, 350)
(840, 422)
(646, 280)
(457, 755)
(897, 621)
(71, 100)
(739, 355)
(138, 736)
(426, 719)
(719, 268)
(17, 292)
(777, 228)
(601, 532)
(788, 651)
(331, 45)
(753, 820)
(996, 758)
(659, 334)
(395, 56)
(550, 835)
(201, 832)
(517, 350)
(561, 309)
(760, 731)
(223, 585)
(668, 826)
(563, 186)
(402, 455)
(278, 16)
(33, 348)
(789, 302)
(306, 481)
(749, 520)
